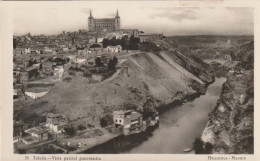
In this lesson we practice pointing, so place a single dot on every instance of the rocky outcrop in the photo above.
(193, 64)
(231, 124)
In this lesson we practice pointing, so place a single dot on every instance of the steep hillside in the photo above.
(231, 123)
(153, 80)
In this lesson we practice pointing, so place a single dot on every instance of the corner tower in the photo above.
(91, 26)
(117, 21)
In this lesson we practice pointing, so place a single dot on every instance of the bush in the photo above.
(112, 63)
(127, 43)
(70, 131)
(198, 146)
(95, 46)
(106, 120)
(81, 127)
(90, 126)
(98, 62)
(208, 148)
(202, 148)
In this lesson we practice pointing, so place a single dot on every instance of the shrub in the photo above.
(70, 131)
(208, 148)
(202, 148)
(106, 120)
(198, 146)
(98, 62)
(81, 127)
(112, 63)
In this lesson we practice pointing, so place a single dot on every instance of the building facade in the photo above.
(109, 24)
(131, 121)
(114, 49)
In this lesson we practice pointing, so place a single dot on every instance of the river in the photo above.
(178, 128)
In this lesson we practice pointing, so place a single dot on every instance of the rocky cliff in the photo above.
(231, 124)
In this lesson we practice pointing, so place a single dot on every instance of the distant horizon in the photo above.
(170, 21)
(144, 32)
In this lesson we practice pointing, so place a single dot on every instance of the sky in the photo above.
(148, 18)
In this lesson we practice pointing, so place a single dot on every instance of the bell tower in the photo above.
(91, 22)
(117, 21)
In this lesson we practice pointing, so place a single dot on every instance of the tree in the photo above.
(81, 127)
(113, 41)
(133, 43)
(112, 63)
(115, 60)
(106, 120)
(124, 42)
(70, 131)
(148, 108)
(208, 148)
(105, 42)
(198, 146)
(95, 46)
(98, 62)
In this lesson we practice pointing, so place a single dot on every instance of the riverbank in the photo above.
(108, 137)
(197, 108)
(230, 129)
(230, 125)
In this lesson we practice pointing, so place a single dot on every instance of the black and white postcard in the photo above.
(84, 79)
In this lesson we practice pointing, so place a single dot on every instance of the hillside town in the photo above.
(41, 62)
(105, 89)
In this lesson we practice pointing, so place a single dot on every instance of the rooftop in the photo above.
(37, 90)
(36, 130)
(134, 115)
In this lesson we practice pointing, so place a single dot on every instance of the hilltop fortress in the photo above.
(109, 24)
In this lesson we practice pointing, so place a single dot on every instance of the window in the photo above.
(116, 120)
(119, 120)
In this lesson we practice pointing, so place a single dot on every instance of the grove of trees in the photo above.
(111, 64)
(127, 43)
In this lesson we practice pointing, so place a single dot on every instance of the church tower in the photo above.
(117, 21)
(91, 26)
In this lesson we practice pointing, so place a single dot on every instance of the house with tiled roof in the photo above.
(36, 134)
(56, 122)
(131, 121)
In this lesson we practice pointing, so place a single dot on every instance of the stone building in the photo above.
(131, 121)
(56, 122)
(109, 24)
(114, 49)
